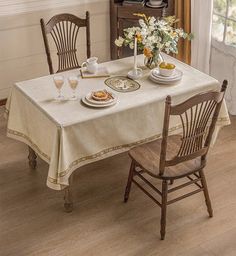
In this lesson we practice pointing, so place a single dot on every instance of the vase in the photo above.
(154, 61)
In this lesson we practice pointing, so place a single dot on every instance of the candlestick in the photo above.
(135, 53)
(136, 73)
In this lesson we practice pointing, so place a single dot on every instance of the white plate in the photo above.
(84, 100)
(103, 103)
(163, 82)
(177, 75)
(165, 79)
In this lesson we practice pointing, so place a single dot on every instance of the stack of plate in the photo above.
(156, 77)
(91, 102)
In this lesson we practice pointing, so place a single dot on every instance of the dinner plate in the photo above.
(177, 75)
(164, 82)
(103, 103)
(86, 102)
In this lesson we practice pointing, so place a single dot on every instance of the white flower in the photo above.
(144, 33)
(180, 32)
(151, 28)
(167, 44)
(119, 42)
(131, 45)
(130, 35)
(152, 21)
(167, 50)
(130, 32)
(142, 23)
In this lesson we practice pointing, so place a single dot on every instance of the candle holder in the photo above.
(135, 74)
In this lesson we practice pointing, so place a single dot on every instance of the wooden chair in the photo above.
(178, 156)
(64, 30)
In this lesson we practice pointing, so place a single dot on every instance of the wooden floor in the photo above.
(32, 221)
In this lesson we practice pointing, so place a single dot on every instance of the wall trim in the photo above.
(13, 7)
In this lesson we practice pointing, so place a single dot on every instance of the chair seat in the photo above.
(147, 156)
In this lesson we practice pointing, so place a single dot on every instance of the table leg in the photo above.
(68, 204)
(68, 198)
(32, 159)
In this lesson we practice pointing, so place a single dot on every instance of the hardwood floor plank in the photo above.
(32, 220)
(222, 245)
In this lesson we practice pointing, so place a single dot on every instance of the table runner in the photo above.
(68, 135)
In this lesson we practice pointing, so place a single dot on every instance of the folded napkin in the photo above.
(101, 72)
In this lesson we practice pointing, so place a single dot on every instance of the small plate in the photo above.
(86, 102)
(107, 102)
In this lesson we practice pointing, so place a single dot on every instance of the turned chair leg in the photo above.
(129, 183)
(68, 198)
(206, 193)
(32, 158)
(163, 208)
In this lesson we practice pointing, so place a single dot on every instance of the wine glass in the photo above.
(59, 81)
(73, 82)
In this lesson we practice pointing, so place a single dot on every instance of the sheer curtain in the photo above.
(201, 22)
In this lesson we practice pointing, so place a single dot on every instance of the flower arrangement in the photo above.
(154, 36)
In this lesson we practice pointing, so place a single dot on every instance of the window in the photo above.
(224, 21)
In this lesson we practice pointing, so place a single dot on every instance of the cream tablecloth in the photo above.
(68, 135)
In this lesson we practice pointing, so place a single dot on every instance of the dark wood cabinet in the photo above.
(122, 17)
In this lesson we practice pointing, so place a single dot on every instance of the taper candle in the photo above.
(135, 53)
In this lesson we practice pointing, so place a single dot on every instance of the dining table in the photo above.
(68, 134)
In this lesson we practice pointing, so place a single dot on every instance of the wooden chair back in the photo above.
(64, 30)
(198, 117)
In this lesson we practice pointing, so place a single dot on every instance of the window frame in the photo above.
(226, 18)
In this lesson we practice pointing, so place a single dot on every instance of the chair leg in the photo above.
(164, 208)
(129, 182)
(32, 158)
(206, 193)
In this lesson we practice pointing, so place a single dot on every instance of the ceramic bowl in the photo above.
(155, 2)
(166, 72)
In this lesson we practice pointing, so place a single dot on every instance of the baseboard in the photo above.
(3, 102)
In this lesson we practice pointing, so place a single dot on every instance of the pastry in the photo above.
(100, 95)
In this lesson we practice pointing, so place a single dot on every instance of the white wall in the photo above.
(223, 66)
(22, 54)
